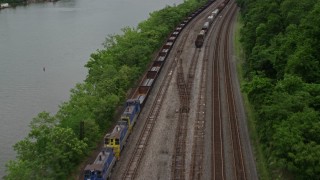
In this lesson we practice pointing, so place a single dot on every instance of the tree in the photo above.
(48, 152)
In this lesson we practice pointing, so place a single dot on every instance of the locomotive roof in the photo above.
(130, 105)
(99, 162)
(129, 109)
(116, 131)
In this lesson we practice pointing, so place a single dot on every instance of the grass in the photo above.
(261, 162)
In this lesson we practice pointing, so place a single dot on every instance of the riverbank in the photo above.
(4, 4)
(38, 1)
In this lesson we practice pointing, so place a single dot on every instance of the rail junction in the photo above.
(194, 126)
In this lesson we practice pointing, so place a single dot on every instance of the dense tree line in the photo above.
(19, 2)
(281, 40)
(53, 149)
(13, 1)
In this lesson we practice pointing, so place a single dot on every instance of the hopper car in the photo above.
(208, 23)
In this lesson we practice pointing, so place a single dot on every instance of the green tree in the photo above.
(296, 144)
(48, 152)
(281, 43)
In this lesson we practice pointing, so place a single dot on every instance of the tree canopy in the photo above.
(281, 43)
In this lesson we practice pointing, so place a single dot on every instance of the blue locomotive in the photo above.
(101, 167)
(131, 112)
(117, 138)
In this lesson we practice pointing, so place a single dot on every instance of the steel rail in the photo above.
(218, 171)
(178, 162)
(197, 156)
(239, 166)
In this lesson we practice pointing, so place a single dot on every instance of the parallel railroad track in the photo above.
(221, 55)
(178, 162)
(239, 166)
(218, 171)
(198, 137)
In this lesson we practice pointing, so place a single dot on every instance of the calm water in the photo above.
(59, 37)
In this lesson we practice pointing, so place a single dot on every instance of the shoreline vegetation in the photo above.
(14, 3)
(54, 147)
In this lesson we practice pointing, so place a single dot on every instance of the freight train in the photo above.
(114, 141)
(206, 26)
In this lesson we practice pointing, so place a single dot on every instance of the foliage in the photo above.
(281, 42)
(48, 152)
(13, 1)
(52, 149)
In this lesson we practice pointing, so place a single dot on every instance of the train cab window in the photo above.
(125, 121)
(106, 141)
(117, 141)
(99, 174)
(87, 174)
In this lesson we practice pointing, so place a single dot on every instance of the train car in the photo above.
(164, 52)
(200, 39)
(156, 66)
(147, 82)
(205, 26)
(175, 33)
(172, 39)
(223, 4)
(117, 138)
(210, 19)
(168, 45)
(142, 93)
(215, 12)
(101, 168)
(131, 112)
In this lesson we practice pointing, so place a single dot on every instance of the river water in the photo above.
(43, 49)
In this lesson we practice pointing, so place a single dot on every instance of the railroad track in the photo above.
(198, 137)
(239, 164)
(217, 138)
(178, 162)
(218, 171)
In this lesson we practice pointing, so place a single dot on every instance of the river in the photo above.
(43, 49)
